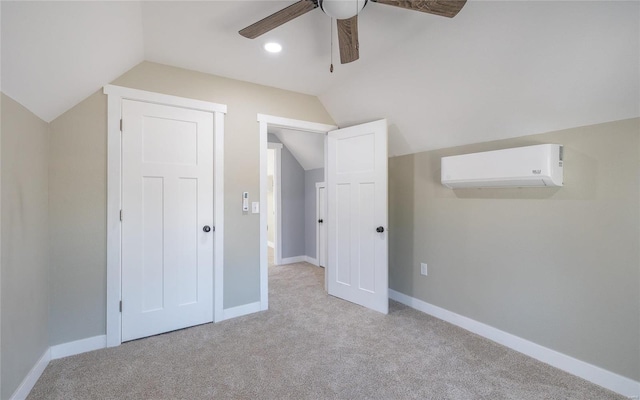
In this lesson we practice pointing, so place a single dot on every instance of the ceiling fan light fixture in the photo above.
(273, 47)
(342, 9)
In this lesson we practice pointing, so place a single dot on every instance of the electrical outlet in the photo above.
(423, 269)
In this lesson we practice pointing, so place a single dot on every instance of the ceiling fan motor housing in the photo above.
(342, 9)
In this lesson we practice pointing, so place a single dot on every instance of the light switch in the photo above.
(245, 201)
(255, 207)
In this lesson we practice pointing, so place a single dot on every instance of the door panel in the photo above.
(322, 228)
(151, 259)
(366, 236)
(343, 239)
(357, 205)
(188, 237)
(167, 198)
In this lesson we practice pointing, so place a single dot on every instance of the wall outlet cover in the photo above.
(423, 269)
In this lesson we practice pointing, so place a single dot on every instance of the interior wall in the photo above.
(78, 186)
(292, 202)
(25, 243)
(556, 266)
(78, 213)
(311, 177)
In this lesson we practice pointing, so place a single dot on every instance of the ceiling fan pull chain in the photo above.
(357, 13)
(331, 33)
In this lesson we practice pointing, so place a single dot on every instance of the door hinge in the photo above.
(120, 215)
(120, 305)
(120, 124)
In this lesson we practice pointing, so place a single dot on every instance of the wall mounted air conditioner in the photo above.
(530, 166)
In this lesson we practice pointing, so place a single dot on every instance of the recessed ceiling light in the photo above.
(273, 47)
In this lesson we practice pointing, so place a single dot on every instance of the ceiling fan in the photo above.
(346, 14)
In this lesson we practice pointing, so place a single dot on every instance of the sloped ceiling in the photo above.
(55, 54)
(498, 69)
(307, 148)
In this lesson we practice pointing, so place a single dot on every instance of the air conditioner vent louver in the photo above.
(530, 166)
(561, 153)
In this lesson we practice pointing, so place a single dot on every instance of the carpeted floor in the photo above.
(312, 346)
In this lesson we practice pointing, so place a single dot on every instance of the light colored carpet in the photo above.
(312, 346)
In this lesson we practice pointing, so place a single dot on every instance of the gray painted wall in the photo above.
(298, 205)
(292, 200)
(25, 243)
(311, 177)
(78, 189)
(556, 266)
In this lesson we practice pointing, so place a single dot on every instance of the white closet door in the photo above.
(167, 227)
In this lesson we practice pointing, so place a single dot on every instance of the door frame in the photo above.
(277, 200)
(115, 95)
(264, 122)
(320, 185)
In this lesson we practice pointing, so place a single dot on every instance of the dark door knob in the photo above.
(320, 221)
(379, 229)
(207, 228)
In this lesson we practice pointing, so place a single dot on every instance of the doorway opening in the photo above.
(289, 245)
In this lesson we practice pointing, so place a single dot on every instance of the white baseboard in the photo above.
(32, 377)
(298, 259)
(239, 311)
(78, 346)
(599, 376)
(293, 260)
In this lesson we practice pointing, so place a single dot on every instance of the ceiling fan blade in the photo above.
(445, 8)
(348, 39)
(276, 19)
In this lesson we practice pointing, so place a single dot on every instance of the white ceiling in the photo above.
(55, 54)
(498, 69)
(306, 147)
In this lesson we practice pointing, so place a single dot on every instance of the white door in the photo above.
(357, 215)
(167, 205)
(321, 232)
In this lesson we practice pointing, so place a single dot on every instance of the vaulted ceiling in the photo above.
(498, 69)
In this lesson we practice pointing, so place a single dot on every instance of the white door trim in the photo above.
(115, 95)
(264, 121)
(318, 186)
(277, 203)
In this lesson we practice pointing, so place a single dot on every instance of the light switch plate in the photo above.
(255, 207)
(245, 201)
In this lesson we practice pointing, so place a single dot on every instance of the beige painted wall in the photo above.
(78, 189)
(557, 266)
(77, 212)
(25, 243)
